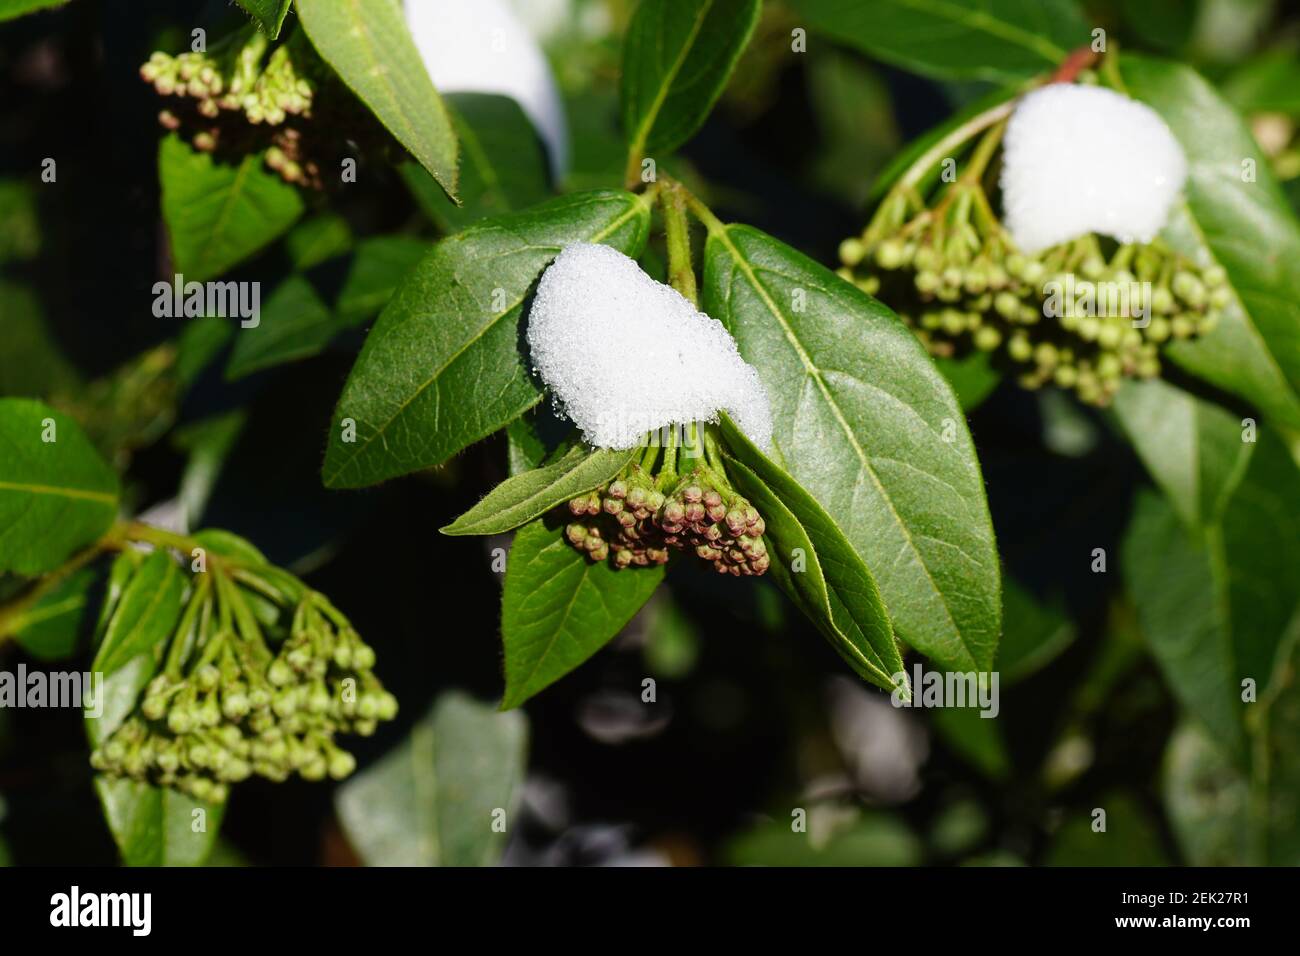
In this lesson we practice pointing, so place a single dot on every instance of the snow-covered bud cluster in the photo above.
(235, 709)
(629, 521)
(1079, 293)
(216, 96)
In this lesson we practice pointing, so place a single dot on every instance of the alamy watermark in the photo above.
(933, 689)
(195, 300)
(71, 689)
(1071, 298)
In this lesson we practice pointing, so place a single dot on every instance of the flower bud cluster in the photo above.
(629, 521)
(1075, 315)
(239, 710)
(228, 98)
(232, 78)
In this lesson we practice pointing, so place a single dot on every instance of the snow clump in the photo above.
(1081, 159)
(624, 355)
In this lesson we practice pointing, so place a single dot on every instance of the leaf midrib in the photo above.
(981, 21)
(815, 373)
(652, 114)
(633, 209)
(102, 497)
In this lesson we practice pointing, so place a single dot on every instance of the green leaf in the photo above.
(146, 615)
(1130, 838)
(677, 58)
(318, 240)
(558, 608)
(50, 628)
(201, 341)
(1033, 633)
(950, 129)
(1207, 799)
(56, 496)
(521, 498)
(1184, 618)
(370, 48)
(31, 363)
(1220, 608)
(1269, 83)
(972, 378)
(443, 366)
(1247, 227)
(207, 444)
(1192, 448)
(12, 9)
(294, 324)
(431, 800)
(158, 826)
(836, 836)
(267, 14)
(864, 421)
(975, 738)
(835, 588)
(217, 214)
(1000, 40)
(503, 164)
(374, 273)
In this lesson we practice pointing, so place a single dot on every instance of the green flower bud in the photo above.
(987, 338)
(341, 764)
(852, 251)
(1019, 347)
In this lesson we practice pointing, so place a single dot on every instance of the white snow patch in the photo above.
(480, 46)
(624, 355)
(1080, 159)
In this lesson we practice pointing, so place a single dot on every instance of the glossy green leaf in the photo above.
(219, 214)
(558, 608)
(50, 628)
(370, 48)
(267, 14)
(1245, 226)
(201, 341)
(56, 495)
(434, 799)
(294, 324)
(864, 422)
(503, 164)
(1001, 40)
(158, 826)
(443, 365)
(521, 498)
(677, 57)
(1192, 448)
(147, 614)
(835, 587)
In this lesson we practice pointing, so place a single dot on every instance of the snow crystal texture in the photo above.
(479, 46)
(1080, 159)
(624, 355)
